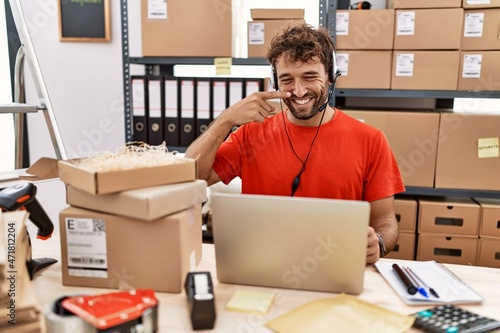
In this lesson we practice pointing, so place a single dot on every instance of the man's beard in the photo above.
(304, 114)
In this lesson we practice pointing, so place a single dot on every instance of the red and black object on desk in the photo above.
(23, 196)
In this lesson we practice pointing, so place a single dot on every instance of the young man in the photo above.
(309, 149)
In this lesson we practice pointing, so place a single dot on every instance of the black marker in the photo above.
(410, 287)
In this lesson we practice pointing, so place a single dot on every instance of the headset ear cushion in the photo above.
(273, 80)
(334, 70)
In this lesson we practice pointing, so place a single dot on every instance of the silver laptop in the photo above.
(290, 242)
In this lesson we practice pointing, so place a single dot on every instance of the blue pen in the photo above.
(432, 291)
(415, 281)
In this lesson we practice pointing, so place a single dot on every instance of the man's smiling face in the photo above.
(308, 84)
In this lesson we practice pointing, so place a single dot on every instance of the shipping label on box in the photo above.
(86, 247)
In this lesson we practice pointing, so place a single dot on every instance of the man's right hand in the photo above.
(252, 108)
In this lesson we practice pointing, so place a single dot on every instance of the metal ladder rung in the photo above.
(18, 108)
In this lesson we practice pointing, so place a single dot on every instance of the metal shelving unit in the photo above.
(327, 17)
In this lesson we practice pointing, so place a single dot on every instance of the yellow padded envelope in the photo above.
(343, 313)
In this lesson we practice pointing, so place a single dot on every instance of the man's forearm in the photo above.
(390, 234)
(204, 148)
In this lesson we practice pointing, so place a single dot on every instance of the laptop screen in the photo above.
(290, 242)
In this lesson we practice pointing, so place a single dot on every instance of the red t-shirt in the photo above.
(349, 159)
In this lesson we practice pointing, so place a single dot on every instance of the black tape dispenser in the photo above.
(201, 300)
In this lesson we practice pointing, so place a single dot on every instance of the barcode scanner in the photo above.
(23, 196)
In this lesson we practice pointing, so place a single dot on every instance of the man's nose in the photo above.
(299, 89)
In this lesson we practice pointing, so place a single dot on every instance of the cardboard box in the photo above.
(469, 4)
(276, 13)
(405, 249)
(423, 29)
(447, 249)
(261, 32)
(468, 152)
(449, 216)
(425, 70)
(479, 71)
(489, 252)
(364, 69)
(267, 23)
(115, 181)
(480, 30)
(188, 28)
(412, 4)
(364, 29)
(148, 203)
(489, 225)
(413, 137)
(406, 214)
(108, 251)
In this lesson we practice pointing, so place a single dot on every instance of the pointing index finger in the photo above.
(275, 94)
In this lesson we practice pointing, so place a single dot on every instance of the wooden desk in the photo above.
(173, 312)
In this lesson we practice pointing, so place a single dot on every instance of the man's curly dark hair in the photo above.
(302, 43)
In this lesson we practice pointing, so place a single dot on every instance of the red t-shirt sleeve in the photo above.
(383, 177)
(227, 162)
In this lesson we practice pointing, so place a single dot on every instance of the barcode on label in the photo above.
(87, 260)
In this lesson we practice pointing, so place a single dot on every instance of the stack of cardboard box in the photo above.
(448, 230)
(364, 42)
(406, 215)
(489, 233)
(426, 51)
(480, 46)
(137, 228)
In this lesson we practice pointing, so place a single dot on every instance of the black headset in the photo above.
(333, 73)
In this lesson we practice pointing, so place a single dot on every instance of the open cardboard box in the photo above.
(112, 181)
(42, 169)
(116, 181)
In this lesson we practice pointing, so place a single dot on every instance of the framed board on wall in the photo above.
(84, 20)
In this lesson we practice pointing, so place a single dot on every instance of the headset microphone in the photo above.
(322, 107)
